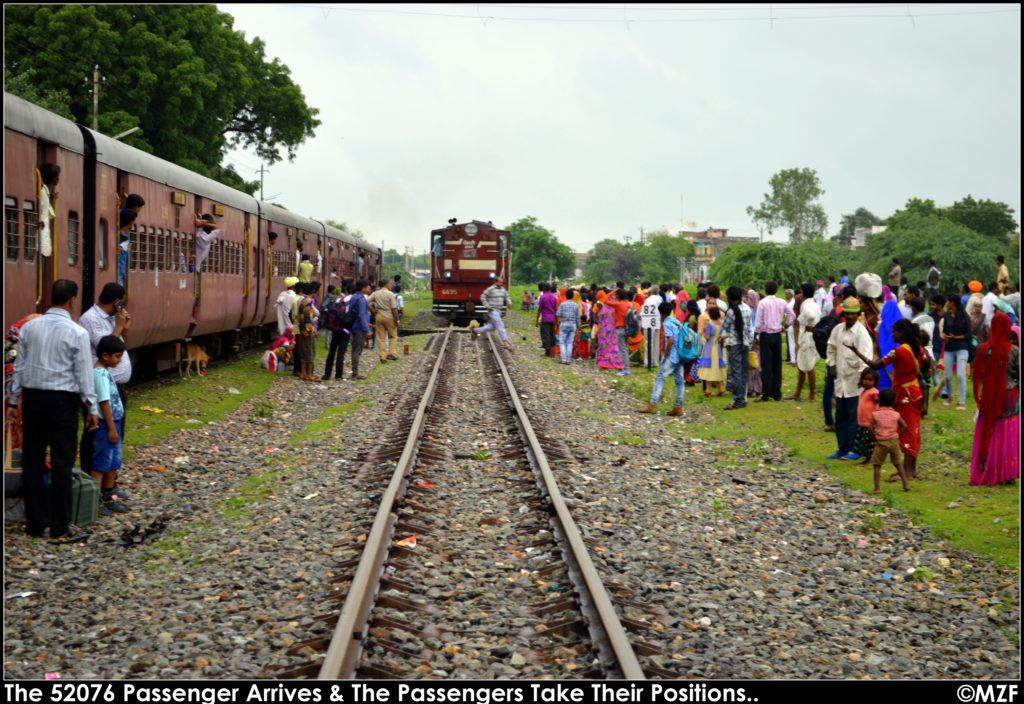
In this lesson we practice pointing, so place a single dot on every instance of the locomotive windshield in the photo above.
(438, 245)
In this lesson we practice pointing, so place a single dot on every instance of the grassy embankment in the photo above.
(944, 465)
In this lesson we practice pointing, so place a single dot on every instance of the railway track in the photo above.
(472, 565)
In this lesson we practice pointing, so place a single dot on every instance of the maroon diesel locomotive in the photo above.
(464, 260)
(228, 304)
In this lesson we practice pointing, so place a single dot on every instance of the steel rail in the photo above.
(606, 629)
(347, 642)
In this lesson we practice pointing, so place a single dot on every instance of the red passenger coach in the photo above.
(464, 260)
(225, 305)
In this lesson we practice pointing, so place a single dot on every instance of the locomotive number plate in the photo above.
(449, 291)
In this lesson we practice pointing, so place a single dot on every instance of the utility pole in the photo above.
(262, 171)
(95, 91)
(642, 242)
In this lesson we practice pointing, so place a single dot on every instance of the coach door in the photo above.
(46, 267)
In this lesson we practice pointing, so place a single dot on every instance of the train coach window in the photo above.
(133, 249)
(73, 239)
(153, 261)
(31, 238)
(101, 244)
(11, 216)
(165, 252)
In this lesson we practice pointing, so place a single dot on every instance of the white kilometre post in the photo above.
(650, 322)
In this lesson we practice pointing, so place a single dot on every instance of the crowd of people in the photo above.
(348, 317)
(887, 349)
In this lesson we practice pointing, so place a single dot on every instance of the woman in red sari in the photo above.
(908, 361)
(995, 457)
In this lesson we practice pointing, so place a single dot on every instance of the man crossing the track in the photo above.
(496, 300)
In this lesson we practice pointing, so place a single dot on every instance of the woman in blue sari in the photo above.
(890, 314)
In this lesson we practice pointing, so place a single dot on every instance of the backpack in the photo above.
(334, 321)
(688, 345)
(822, 331)
(632, 323)
(933, 276)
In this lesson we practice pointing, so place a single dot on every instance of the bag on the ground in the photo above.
(688, 344)
(85, 498)
(269, 361)
(12, 470)
(632, 323)
(822, 331)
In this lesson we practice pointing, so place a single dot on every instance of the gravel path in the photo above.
(755, 569)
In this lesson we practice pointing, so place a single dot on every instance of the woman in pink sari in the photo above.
(607, 347)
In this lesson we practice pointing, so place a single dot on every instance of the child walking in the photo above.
(106, 447)
(864, 445)
(887, 424)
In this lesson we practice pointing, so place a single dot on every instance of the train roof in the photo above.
(287, 217)
(351, 239)
(28, 118)
(127, 158)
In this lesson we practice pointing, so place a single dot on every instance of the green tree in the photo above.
(792, 204)
(990, 218)
(862, 217)
(628, 263)
(26, 85)
(661, 257)
(960, 253)
(195, 86)
(754, 264)
(537, 253)
(599, 261)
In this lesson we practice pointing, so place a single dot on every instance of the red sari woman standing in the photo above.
(908, 360)
(995, 457)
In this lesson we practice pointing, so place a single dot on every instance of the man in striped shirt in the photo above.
(53, 377)
(773, 316)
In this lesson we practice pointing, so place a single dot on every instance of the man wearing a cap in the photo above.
(846, 368)
(284, 305)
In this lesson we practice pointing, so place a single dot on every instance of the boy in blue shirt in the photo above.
(670, 363)
(106, 450)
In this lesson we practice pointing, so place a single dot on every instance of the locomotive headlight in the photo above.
(447, 274)
(493, 274)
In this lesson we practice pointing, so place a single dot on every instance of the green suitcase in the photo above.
(85, 498)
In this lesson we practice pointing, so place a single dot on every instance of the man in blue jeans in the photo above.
(670, 363)
(568, 314)
(738, 329)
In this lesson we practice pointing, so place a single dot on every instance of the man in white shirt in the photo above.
(284, 303)
(820, 295)
(909, 294)
(988, 307)
(653, 296)
(846, 367)
(108, 317)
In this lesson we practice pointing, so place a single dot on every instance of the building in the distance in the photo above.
(581, 261)
(708, 245)
(860, 235)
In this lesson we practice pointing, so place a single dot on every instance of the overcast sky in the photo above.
(597, 128)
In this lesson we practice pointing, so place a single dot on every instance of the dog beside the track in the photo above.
(198, 356)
